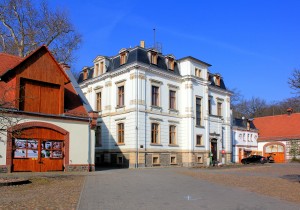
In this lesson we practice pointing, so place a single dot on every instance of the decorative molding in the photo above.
(120, 81)
(156, 119)
(108, 84)
(140, 102)
(119, 119)
(188, 86)
(173, 86)
(156, 81)
(220, 99)
(98, 87)
(173, 121)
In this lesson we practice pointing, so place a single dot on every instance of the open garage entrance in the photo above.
(41, 147)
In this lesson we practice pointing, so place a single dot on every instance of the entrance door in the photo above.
(214, 151)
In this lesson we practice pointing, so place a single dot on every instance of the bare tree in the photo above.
(294, 80)
(26, 26)
(8, 116)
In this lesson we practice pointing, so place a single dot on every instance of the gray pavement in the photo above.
(166, 188)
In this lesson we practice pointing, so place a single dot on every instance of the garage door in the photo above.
(37, 155)
(277, 152)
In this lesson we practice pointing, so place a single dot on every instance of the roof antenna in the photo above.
(154, 38)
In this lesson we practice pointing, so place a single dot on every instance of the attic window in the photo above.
(85, 74)
(153, 57)
(217, 80)
(96, 69)
(171, 63)
(197, 72)
(123, 56)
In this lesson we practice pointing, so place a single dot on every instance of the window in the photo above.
(209, 105)
(172, 134)
(219, 106)
(98, 136)
(122, 58)
(171, 63)
(154, 58)
(199, 140)
(121, 96)
(172, 99)
(199, 159)
(155, 96)
(98, 101)
(198, 111)
(197, 72)
(154, 133)
(218, 80)
(101, 67)
(173, 159)
(120, 160)
(155, 160)
(85, 74)
(96, 70)
(121, 133)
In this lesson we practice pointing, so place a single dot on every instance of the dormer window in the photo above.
(171, 62)
(153, 55)
(85, 73)
(96, 69)
(154, 58)
(123, 56)
(197, 72)
(217, 80)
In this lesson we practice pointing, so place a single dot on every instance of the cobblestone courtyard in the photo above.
(62, 190)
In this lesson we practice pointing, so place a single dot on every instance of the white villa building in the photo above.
(244, 139)
(155, 110)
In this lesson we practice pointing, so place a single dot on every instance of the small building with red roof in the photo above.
(46, 122)
(278, 135)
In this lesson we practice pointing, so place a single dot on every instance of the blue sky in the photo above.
(253, 44)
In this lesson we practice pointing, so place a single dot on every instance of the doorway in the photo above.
(214, 150)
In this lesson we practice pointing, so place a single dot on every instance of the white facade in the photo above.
(138, 114)
(244, 141)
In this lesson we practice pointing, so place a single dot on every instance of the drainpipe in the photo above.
(89, 145)
(136, 121)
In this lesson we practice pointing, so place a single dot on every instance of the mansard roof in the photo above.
(140, 55)
(242, 123)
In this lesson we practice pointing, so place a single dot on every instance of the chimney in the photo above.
(289, 111)
(64, 66)
(142, 44)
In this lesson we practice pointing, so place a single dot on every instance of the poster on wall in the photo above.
(46, 154)
(57, 154)
(20, 143)
(32, 144)
(57, 145)
(20, 153)
(32, 153)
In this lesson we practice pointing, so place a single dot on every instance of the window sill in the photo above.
(156, 108)
(156, 164)
(173, 145)
(173, 163)
(119, 144)
(198, 145)
(173, 111)
(153, 144)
